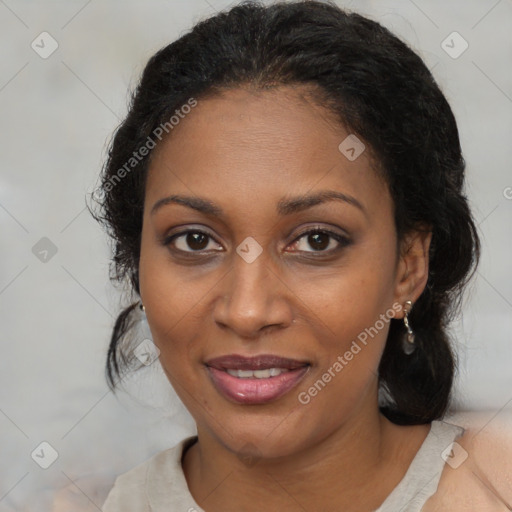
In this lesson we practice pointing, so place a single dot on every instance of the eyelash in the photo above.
(342, 240)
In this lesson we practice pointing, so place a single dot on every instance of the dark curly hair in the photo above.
(377, 87)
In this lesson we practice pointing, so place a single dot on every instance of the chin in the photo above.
(264, 434)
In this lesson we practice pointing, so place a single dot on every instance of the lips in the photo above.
(255, 380)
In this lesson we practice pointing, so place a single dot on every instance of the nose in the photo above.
(253, 299)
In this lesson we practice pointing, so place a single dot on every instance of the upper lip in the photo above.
(259, 362)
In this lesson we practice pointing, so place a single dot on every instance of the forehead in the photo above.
(243, 145)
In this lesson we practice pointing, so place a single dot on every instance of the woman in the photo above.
(286, 201)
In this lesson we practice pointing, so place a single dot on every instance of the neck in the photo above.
(342, 472)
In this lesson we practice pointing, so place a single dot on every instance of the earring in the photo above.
(408, 344)
(143, 347)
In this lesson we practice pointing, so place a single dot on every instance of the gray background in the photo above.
(57, 115)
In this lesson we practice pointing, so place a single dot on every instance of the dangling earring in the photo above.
(408, 344)
(141, 326)
(144, 349)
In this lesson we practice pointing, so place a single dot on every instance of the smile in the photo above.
(255, 380)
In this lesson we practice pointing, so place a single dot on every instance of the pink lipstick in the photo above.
(255, 380)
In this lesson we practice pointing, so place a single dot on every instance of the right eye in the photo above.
(189, 241)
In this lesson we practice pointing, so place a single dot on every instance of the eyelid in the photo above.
(323, 228)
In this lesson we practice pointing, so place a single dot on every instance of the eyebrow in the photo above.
(285, 206)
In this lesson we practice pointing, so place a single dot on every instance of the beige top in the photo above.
(159, 484)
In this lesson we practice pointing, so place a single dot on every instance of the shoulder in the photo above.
(118, 499)
(478, 470)
(130, 490)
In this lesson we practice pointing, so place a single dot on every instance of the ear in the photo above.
(412, 268)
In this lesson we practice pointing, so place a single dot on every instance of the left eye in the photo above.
(320, 240)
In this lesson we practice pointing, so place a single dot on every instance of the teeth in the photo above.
(258, 374)
(262, 374)
(244, 374)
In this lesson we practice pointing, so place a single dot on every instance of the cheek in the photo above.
(350, 314)
(348, 354)
(169, 297)
(348, 299)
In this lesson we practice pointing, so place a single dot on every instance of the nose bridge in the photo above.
(250, 270)
(253, 296)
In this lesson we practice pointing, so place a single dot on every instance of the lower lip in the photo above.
(255, 391)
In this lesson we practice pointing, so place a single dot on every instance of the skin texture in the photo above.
(245, 151)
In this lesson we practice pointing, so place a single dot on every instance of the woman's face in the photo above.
(236, 282)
